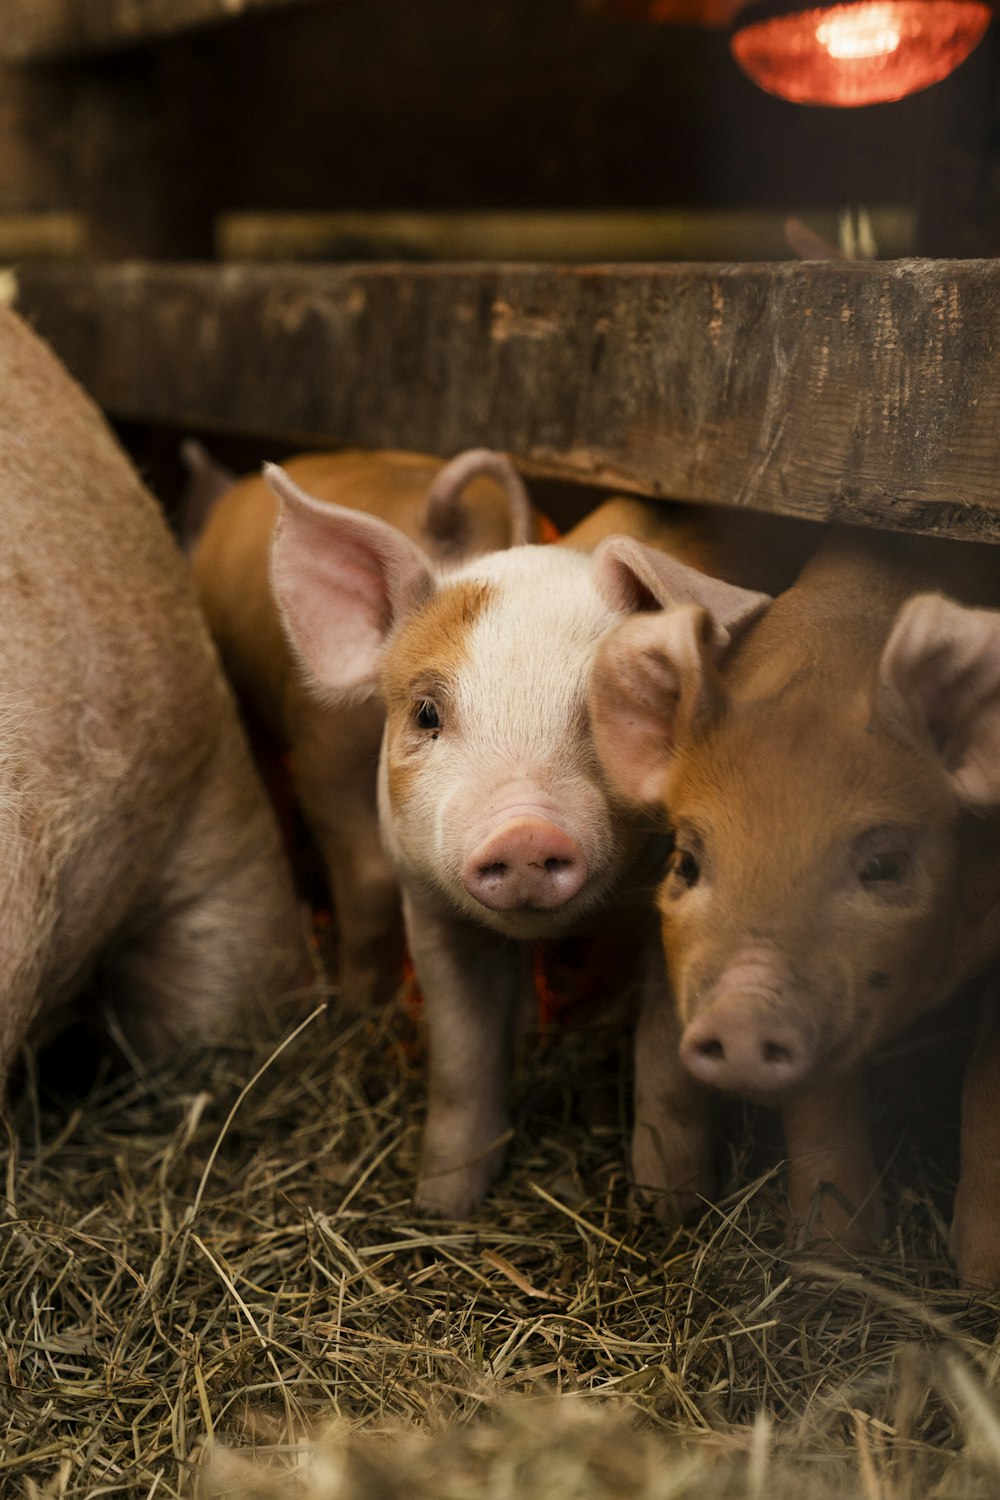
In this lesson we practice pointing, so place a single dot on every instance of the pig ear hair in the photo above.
(654, 681)
(444, 517)
(939, 679)
(635, 577)
(341, 578)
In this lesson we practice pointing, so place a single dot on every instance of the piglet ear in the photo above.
(342, 579)
(654, 682)
(635, 577)
(939, 682)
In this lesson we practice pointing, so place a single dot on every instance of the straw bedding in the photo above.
(212, 1281)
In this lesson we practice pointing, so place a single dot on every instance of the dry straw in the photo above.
(212, 1280)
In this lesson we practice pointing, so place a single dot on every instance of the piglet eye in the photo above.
(686, 867)
(427, 716)
(883, 867)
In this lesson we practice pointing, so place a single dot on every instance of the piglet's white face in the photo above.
(491, 793)
(491, 796)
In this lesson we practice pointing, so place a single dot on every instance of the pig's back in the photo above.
(832, 624)
(89, 573)
(231, 570)
(111, 701)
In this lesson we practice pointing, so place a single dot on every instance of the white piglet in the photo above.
(492, 805)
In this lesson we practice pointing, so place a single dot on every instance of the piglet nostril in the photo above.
(776, 1052)
(526, 862)
(711, 1047)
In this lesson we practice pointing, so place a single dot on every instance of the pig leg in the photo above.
(827, 1140)
(671, 1144)
(219, 926)
(975, 1229)
(29, 903)
(473, 982)
(335, 774)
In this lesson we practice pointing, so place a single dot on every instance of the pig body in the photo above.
(746, 548)
(493, 809)
(138, 847)
(832, 780)
(473, 505)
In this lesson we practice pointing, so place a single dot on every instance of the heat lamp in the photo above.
(854, 52)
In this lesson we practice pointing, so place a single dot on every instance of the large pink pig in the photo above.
(832, 782)
(493, 808)
(137, 848)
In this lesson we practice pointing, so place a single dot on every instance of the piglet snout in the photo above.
(527, 862)
(742, 1048)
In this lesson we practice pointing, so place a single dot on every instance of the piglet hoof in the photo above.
(673, 1182)
(453, 1193)
(833, 1226)
(975, 1246)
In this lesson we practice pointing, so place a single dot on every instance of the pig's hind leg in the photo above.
(218, 927)
(335, 781)
(473, 984)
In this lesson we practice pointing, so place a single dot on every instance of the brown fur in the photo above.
(426, 657)
(807, 758)
(750, 550)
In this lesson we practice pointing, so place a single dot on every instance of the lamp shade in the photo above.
(855, 52)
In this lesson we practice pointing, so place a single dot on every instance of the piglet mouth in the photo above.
(527, 864)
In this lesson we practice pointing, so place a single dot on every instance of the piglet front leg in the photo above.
(829, 1146)
(671, 1142)
(473, 983)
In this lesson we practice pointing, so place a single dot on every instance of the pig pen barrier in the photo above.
(212, 1278)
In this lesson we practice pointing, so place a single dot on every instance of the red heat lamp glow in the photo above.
(856, 52)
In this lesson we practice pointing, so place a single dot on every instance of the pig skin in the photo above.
(832, 779)
(141, 861)
(333, 753)
(493, 811)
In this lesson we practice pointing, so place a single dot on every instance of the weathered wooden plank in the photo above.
(36, 29)
(868, 392)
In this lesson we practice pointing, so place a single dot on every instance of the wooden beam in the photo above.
(868, 392)
(37, 29)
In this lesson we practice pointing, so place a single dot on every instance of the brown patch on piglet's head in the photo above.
(419, 679)
(816, 898)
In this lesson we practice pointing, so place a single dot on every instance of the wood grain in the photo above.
(39, 29)
(868, 392)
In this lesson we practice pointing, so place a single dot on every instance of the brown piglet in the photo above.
(141, 861)
(830, 774)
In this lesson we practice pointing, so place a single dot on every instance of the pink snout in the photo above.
(527, 862)
(739, 1046)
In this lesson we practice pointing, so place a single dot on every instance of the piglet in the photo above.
(476, 503)
(493, 810)
(141, 864)
(831, 778)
